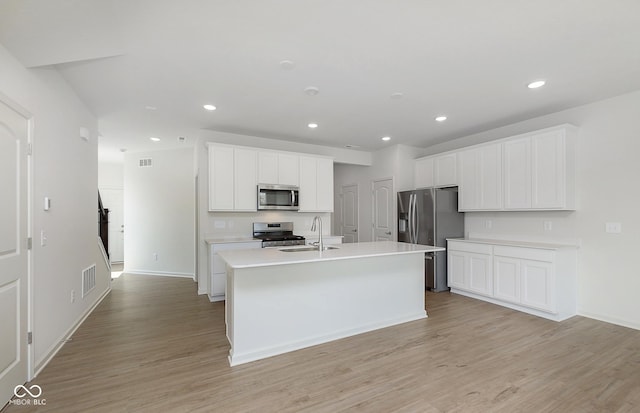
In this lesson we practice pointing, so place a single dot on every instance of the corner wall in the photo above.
(65, 169)
(159, 213)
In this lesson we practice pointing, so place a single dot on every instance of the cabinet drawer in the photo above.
(469, 247)
(534, 254)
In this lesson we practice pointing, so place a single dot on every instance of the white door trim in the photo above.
(6, 100)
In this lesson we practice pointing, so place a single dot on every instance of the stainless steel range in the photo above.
(276, 234)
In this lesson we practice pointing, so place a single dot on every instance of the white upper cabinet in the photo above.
(245, 195)
(539, 170)
(435, 171)
(423, 173)
(278, 168)
(480, 178)
(316, 184)
(445, 170)
(232, 178)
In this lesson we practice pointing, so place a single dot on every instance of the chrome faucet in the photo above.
(320, 244)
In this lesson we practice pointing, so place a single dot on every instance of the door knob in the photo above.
(355, 230)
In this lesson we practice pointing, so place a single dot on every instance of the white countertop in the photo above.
(273, 256)
(526, 244)
(230, 239)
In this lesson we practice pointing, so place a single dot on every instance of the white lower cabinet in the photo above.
(218, 268)
(539, 280)
(470, 267)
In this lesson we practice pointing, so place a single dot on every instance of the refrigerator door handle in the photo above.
(413, 219)
(409, 216)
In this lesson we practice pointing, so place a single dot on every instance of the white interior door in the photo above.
(112, 199)
(383, 222)
(349, 211)
(13, 251)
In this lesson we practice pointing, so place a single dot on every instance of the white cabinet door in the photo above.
(456, 269)
(316, 184)
(480, 179)
(517, 174)
(277, 168)
(324, 192)
(468, 184)
(221, 171)
(506, 275)
(423, 173)
(217, 266)
(308, 185)
(245, 174)
(548, 170)
(445, 170)
(537, 285)
(268, 167)
(288, 172)
(480, 274)
(490, 176)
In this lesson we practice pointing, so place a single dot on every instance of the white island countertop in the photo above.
(273, 256)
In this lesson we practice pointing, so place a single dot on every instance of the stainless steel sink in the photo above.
(312, 248)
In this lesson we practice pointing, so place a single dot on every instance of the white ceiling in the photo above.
(470, 60)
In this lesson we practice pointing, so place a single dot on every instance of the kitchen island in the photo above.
(279, 301)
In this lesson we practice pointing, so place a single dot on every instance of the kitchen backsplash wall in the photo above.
(231, 224)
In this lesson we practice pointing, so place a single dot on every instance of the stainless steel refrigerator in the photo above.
(429, 217)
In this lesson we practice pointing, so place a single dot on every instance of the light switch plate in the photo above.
(548, 225)
(613, 227)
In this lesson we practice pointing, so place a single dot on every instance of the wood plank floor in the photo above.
(154, 345)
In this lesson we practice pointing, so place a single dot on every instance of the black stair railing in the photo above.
(103, 220)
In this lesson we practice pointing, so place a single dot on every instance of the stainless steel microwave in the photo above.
(281, 197)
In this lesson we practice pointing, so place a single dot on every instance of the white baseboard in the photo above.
(611, 320)
(55, 348)
(160, 273)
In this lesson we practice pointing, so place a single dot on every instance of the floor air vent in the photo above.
(145, 163)
(88, 280)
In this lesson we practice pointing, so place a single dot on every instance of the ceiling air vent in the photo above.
(145, 163)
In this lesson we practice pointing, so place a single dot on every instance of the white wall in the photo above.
(159, 213)
(394, 162)
(65, 169)
(607, 190)
(110, 175)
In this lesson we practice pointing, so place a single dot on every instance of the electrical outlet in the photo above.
(155, 256)
(73, 296)
(219, 224)
(43, 238)
(548, 225)
(613, 227)
(488, 224)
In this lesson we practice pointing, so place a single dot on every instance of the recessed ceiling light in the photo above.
(313, 125)
(536, 84)
(209, 107)
(149, 107)
(153, 138)
(397, 95)
(386, 138)
(441, 118)
(311, 90)
(287, 65)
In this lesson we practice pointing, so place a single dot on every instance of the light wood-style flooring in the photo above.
(154, 345)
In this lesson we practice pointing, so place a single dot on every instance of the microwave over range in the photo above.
(281, 197)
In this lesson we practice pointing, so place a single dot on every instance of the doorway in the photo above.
(349, 213)
(15, 285)
(383, 213)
